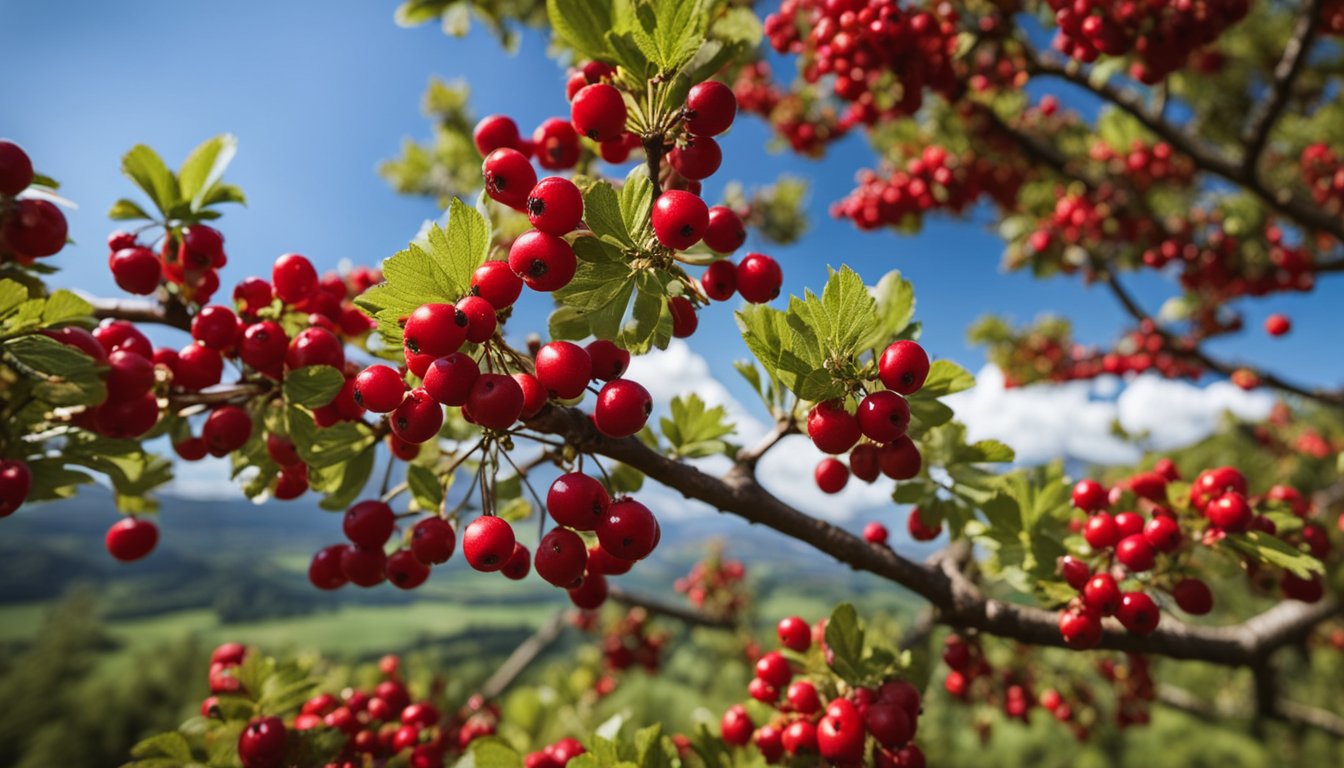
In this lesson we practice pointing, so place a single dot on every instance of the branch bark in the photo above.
(1295, 53)
(171, 314)
(1285, 711)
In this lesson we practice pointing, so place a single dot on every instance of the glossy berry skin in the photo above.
(1230, 512)
(80, 339)
(918, 526)
(1101, 532)
(487, 543)
(720, 281)
(577, 501)
(1164, 533)
(888, 723)
(315, 346)
(759, 278)
(883, 416)
(561, 558)
(840, 733)
(679, 219)
(534, 396)
(324, 572)
(684, 318)
(769, 741)
(418, 418)
(598, 112)
(609, 360)
(131, 538)
(1075, 571)
(800, 738)
(495, 282)
(697, 158)
(436, 330)
(495, 402)
(215, 327)
(293, 278)
(252, 294)
(282, 450)
(263, 345)
(1278, 325)
(379, 389)
(202, 248)
(262, 743)
(544, 262)
(120, 334)
(369, 523)
(591, 594)
(794, 634)
(863, 462)
(623, 407)
(509, 177)
(725, 232)
(1212, 483)
(774, 669)
(226, 429)
(519, 563)
(494, 132)
(450, 379)
(555, 206)
(128, 375)
(557, 144)
(607, 564)
(1138, 613)
(191, 449)
(1128, 524)
(900, 459)
(736, 726)
(127, 418)
(1193, 596)
(903, 367)
(831, 475)
(1102, 594)
(1135, 553)
(16, 480)
(35, 228)
(1080, 630)
(564, 369)
(628, 530)
(136, 270)
(762, 691)
(710, 108)
(831, 428)
(876, 534)
(433, 540)
(481, 319)
(16, 169)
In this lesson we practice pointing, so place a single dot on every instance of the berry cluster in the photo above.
(882, 417)
(885, 716)
(807, 125)
(629, 641)
(715, 585)
(1145, 165)
(30, 227)
(1323, 174)
(555, 755)
(1162, 36)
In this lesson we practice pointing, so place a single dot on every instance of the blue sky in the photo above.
(318, 97)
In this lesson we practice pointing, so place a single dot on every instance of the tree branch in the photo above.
(1288, 712)
(233, 393)
(172, 314)
(1281, 90)
(783, 427)
(669, 610)
(522, 656)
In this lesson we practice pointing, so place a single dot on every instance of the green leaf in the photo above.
(313, 386)
(65, 375)
(464, 246)
(493, 752)
(171, 744)
(895, 298)
(602, 213)
(144, 167)
(991, 451)
(53, 480)
(650, 319)
(204, 167)
(425, 488)
(844, 638)
(568, 323)
(221, 193)
(850, 309)
(63, 307)
(769, 337)
(583, 25)
(945, 377)
(124, 210)
(694, 430)
(637, 202)
(324, 447)
(1277, 552)
(343, 483)
(679, 29)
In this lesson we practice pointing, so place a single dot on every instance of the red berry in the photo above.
(405, 570)
(903, 367)
(1102, 594)
(534, 396)
(1128, 524)
(544, 262)
(129, 376)
(1230, 512)
(724, 233)
(800, 738)
(262, 743)
(215, 327)
(883, 416)
(264, 345)
(794, 634)
(1212, 483)
(863, 462)
(561, 558)
(623, 407)
(1278, 325)
(16, 169)
(495, 402)
(628, 530)
(598, 112)
(198, 367)
(557, 144)
(509, 177)
(679, 219)
(481, 319)
(720, 280)
(494, 132)
(831, 475)
(1135, 553)
(369, 523)
(736, 726)
(1193, 596)
(291, 483)
(83, 341)
(684, 318)
(418, 418)
(226, 429)
(876, 533)
(495, 282)
(840, 733)
(1075, 571)
(774, 669)
(769, 741)
(281, 450)
(802, 695)
(35, 228)
(918, 526)
(1163, 532)
(577, 501)
(487, 543)
(888, 723)
(591, 594)
(555, 206)
(294, 278)
(832, 428)
(433, 540)
(603, 562)
(696, 158)
(120, 334)
(519, 563)
(437, 330)
(1138, 613)
(564, 369)
(609, 360)
(904, 695)
(1080, 630)
(710, 108)
(16, 480)
(900, 459)
(450, 379)
(1101, 532)
(131, 538)
(380, 389)
(127, 418)
(253, 294)
(1309, 590)
(136, 270)
(202, 248)
(759, 278)
(315, 346)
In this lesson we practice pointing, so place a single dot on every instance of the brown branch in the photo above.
(233, 393)
(669, 610)
(783, 427)
(1285, 711)
(1281, 90)
(172, 314)
(523, 656)
(740, 494)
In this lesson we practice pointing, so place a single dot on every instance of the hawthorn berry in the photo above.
(1102, 594)
(120, 334)
(679, 219)
(903, 367)
(800, 738)
(1081, 630)
(1212, 483)
(564, 369)
(888, 723)
(315, 346)
(364, 566)
(544, 262)
(264, 345)
(1101, 532)
(496, 282)
(252, 294)
(917, 524)
(449, 380)
(534, 396)
(794, 634)
(725, 233)
(840, 732)
(202, 247)
(1135, 553)
(1278, 325)
(1294, 587)
(598, 112)
(495, 402)
(628, 530)
(577, 501)
(607, 564)
(555, 206)
(697, 158)
(16, 169)
(831, 428)
(405, 570)
(131, 538)
(759, 278)
(488, 543)
(35, 228)
(769, 741)
(509, 177)
(294, 278)
(369, 523)
(215, 327)
(380, 389)
(1230, 512)
(591, 594)
(129, 375)
(899, 459)
(876, 533)
(435, 329)
(495, 132)
(1075, 571)
(1138, 613)
(720, 280)
(623, 407)
(282, 450)
(127, 418)
(684, 318)
(562, 558)
(831, 475)
(16, 480)
(557, 144)
(226, 429)
(736, 726)
(481, 319)
(433, 540)
(609, 360)
(883, 416)
(863, 462)
(80, 339)
(1128, 524)
(136, 270)
(1163, 532)
(710, 108)
(418, 418)
(1193, 596)
(262, 743)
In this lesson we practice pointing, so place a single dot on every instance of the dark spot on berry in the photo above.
(537, 268)
(461, 319)
(411, 345)
(536, 206)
